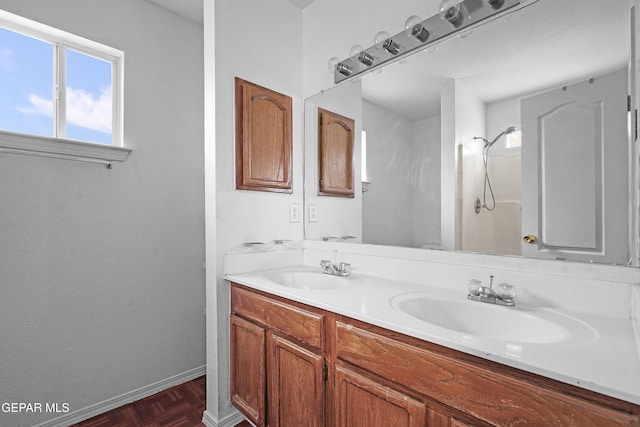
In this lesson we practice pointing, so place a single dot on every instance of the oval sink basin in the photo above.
(510, 324)
(311, 280)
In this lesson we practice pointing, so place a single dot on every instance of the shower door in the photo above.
(575, 183)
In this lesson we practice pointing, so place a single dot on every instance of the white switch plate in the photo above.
(313, 213)
(294, 213)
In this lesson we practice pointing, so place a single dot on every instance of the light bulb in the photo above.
(391, 46)
(380, 38)
(411, 21)
(332, 63)
(413, 27)
(451, 11)
(496, 4)
(355, 50)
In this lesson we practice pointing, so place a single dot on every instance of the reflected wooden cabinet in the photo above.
(263, 139)
(295, 365)
(335, 154)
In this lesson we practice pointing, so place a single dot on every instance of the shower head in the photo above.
(507, 131)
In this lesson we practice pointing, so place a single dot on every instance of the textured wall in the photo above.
(101, 278)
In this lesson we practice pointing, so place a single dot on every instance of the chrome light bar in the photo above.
(458, 19)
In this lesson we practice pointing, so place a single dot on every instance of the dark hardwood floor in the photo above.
(179, 406)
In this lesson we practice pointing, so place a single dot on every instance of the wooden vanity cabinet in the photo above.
(277, 362)
(293, 365)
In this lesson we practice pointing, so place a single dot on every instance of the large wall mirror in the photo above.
(512, 140)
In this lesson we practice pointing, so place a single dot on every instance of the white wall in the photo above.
(402, 204)
(426, 176)
(259, 41)
(101, 278)
(387, 207)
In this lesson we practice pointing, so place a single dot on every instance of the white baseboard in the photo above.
(230, 420)
(124, 399)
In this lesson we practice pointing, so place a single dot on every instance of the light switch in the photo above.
(313, 213)
(294, 213)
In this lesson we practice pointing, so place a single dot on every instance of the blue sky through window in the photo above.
(89, 98)
(26, 70)
(26, 90)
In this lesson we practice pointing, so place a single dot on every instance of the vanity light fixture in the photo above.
(457, 17)
(366, 58)
(413, 26)
(344, 69)
(452, 12)
(357, 52)
(390, 46)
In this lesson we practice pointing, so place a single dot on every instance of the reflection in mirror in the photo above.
(444, 173)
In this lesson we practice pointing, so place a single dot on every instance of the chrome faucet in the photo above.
(504, 296)
(343, 269)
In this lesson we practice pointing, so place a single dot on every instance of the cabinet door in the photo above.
(361, 402)
(296, 385)
(248, 383)
(335, 154)
(263, 139)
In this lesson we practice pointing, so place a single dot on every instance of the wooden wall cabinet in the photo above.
(335, 154)
(263, 139)
(321, 369)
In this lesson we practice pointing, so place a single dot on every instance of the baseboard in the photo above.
(124, 399)
(230, 420)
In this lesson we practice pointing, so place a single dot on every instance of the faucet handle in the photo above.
(344, 268)
(325, 263)
(506, 291)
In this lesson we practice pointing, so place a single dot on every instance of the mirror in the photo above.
(542, 191)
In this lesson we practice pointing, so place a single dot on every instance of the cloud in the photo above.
(84, 109)
(6, 60)
(39, 106)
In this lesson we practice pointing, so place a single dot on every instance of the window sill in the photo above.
(31, 145)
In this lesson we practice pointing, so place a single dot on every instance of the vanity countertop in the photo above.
(604, 359)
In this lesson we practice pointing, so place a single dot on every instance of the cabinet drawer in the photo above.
(487, 395)
(294, 321)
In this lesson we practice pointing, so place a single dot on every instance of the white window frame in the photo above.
(59, 146)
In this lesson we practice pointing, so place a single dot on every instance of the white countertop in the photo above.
(603, 357)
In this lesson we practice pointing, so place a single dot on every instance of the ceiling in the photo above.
(192, 9)
(188, 9)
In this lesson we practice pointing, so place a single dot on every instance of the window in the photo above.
(514, 139)
(60, 94)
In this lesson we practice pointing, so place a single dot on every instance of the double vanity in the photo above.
(399, 342)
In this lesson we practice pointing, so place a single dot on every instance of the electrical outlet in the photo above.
(294, 213)
(313, 213)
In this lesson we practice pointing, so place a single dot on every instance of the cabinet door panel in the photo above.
(302, 324)
(263, 139)
(248, 383)
(296, 386)
(361, 402)
(335, 154)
